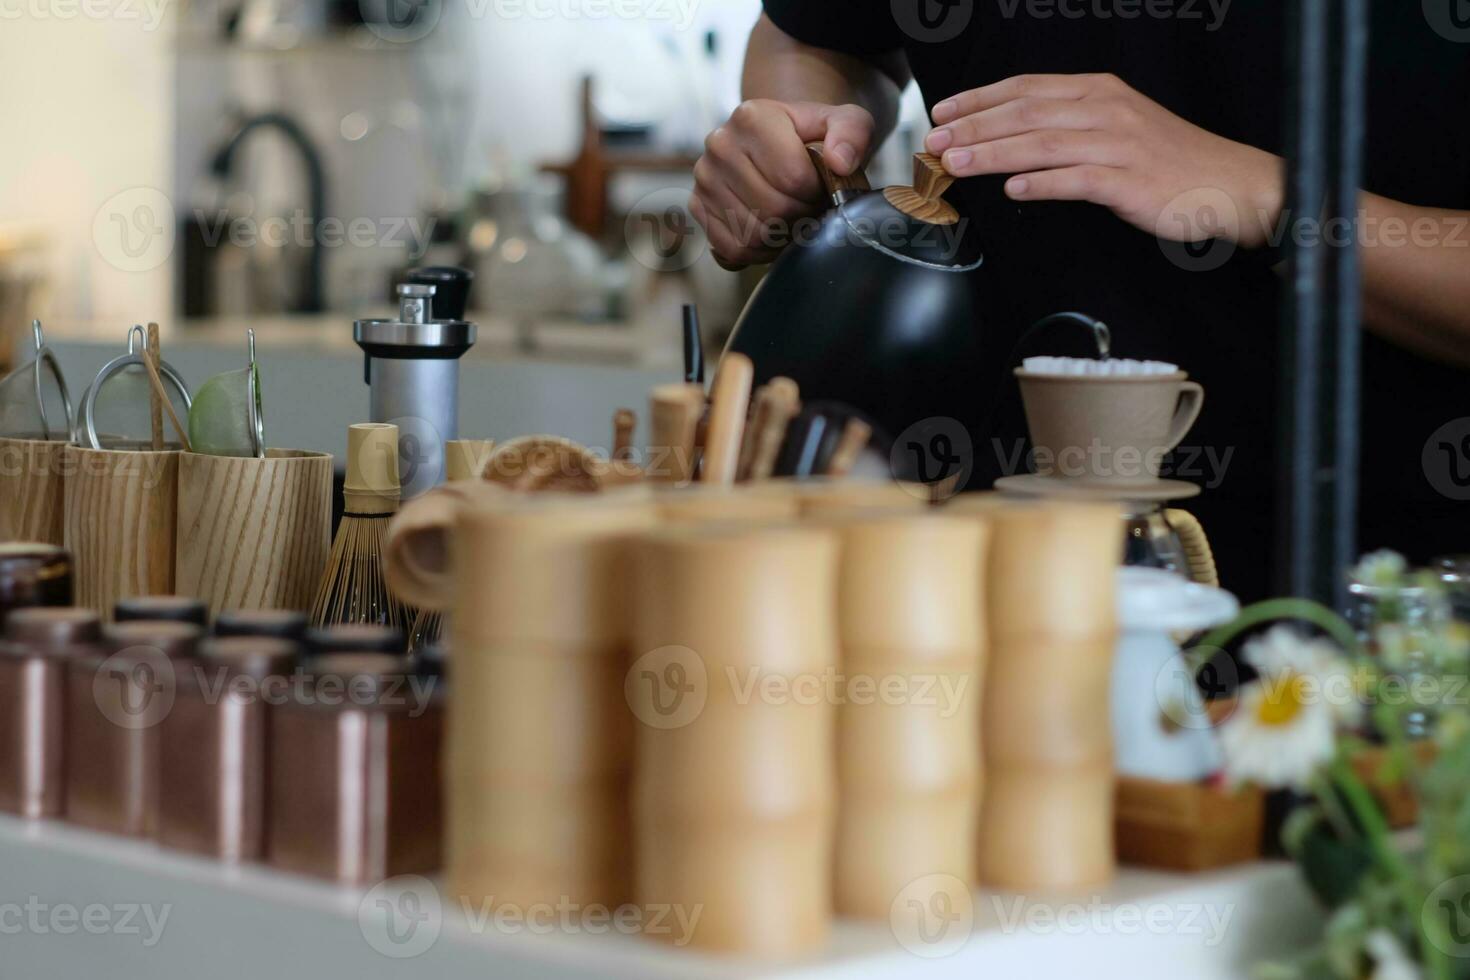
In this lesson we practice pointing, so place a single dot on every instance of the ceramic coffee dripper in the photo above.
(1107, 429)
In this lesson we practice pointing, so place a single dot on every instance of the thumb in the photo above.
(845, 132)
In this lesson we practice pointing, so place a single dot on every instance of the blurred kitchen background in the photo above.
(163, 160)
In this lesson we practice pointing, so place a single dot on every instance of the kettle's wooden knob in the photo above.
(925, 200)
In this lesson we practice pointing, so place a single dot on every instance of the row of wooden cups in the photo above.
(746, 710)
(239, 533)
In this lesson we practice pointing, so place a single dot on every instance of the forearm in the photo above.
(779, 67)
(1416, 277)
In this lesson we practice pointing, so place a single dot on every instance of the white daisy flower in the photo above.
(1330, 675)
(1279, 734)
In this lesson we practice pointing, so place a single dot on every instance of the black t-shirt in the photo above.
(1220, 66)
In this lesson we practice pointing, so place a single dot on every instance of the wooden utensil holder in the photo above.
(1047, 814)
(32, 491)
(539, 736)
(733, 803)
(120, 523)
(253, 533)
(909, 614)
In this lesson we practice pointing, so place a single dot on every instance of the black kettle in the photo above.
(878, 308)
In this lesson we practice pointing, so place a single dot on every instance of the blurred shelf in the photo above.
(249, 923)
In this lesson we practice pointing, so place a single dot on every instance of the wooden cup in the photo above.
(32, 491)
(1047, 829)
(826, 496)
(1047, 816)
(253, 533)
(120, 524)
(733, 804)
(749, 502)
(539, 737)
(1052, 568)
(884, 845)
(760, 888)
(913, 658)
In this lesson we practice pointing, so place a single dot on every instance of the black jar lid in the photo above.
(162, 608)
(281, 624)
(355, 638)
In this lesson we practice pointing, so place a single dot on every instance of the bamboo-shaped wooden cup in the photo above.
(32, 491)
(734, 785)
(120, 524)
(539, 735)
(825, 496)
(254, 533)
(746, 502)
(1047, 815)
(416, 559)
(908, 753)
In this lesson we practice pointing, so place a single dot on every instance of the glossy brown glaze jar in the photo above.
(213, 751)
(355, 793)
(33, 575)
(117, 700)
(39, 642)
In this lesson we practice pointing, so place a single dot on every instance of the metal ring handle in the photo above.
(88, 423)
(47, 356)
(252, 397)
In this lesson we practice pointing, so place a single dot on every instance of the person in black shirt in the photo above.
(1097, 137)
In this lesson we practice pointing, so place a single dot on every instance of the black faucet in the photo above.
(311, 302)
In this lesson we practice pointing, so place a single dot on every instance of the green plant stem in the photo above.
(1272, 609)
(1379, 839)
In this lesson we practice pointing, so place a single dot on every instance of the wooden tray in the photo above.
(1186, 826)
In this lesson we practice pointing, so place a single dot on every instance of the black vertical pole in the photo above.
(1352, 76)
(1320, 364)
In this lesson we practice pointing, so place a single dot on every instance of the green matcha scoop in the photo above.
(226, 417)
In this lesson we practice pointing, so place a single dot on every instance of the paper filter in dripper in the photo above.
(34, 401)
(226, 418)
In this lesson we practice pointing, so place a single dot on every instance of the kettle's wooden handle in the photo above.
(836, 185)
(925, 200)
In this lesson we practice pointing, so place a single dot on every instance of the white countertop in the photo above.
(190, 918)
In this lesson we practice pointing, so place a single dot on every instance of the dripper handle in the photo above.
(840, 189)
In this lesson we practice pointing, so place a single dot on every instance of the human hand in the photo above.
(755, 178)
(1094, 138)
